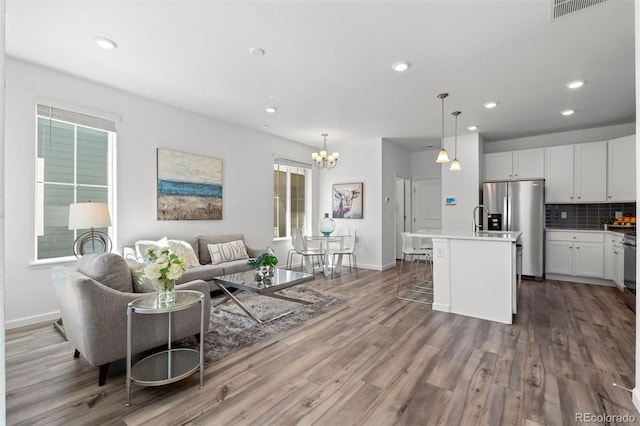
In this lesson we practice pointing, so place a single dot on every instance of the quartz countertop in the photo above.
(498, 236)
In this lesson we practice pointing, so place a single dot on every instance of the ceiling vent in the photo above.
(566, 7)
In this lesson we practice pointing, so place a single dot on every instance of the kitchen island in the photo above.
(474, 273)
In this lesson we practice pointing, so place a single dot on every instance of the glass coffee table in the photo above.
(245, 281)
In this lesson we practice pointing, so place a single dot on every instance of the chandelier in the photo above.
(322, 160)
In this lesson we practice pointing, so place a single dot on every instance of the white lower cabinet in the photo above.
(617, 264)
(588, 259)
(559, 257)
(579, 254)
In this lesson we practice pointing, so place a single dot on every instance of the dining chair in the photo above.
(302, 250)
(416, 250)
(292, 249)
(348, 249)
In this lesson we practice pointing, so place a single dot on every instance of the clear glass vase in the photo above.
(264, 272)
(327, 225)
(165, 292)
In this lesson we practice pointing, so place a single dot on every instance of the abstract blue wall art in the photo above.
(189, 186)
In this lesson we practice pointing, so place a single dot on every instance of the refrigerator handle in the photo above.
(505, 217)
(507, 206)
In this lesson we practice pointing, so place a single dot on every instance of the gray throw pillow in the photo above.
(141, 284)
(108, 269)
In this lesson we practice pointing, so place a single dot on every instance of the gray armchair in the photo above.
(93, 301)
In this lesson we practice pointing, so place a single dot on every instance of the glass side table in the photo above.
(170, 365)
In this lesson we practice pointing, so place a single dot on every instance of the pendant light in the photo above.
(455, 165)
(443, 157)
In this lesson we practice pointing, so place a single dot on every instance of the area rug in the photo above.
(231, 329)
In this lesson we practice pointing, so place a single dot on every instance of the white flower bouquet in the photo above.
(165, 268)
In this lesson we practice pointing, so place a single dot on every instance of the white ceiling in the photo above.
(328, 63)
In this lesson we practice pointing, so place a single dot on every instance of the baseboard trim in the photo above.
(35, 319)
(442, 307)
(582, 280)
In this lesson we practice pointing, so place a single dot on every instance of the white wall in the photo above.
(146, 125)
(463, 185)
(3, 403)
(395, 162)
(424, 166)
(563, 138)
(360, 161)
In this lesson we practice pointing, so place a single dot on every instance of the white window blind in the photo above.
(290, 196)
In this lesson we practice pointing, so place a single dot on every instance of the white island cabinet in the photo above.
(474, 273)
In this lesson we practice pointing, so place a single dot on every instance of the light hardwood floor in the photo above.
(371, 361)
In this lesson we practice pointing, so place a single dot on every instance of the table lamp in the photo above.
(90, 216)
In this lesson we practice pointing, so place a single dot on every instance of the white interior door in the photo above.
(427, 204)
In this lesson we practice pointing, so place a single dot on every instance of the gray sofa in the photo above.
(206, 270)
(93, 301)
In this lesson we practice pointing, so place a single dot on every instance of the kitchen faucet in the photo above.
(476, 227)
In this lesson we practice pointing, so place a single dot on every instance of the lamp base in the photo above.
(91, 242)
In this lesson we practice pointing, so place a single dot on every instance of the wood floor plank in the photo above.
(502, 407)
(372, 360)
(315, 404)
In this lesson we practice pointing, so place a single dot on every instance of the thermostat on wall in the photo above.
(450, 201)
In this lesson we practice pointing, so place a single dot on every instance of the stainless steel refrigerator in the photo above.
(519, 206)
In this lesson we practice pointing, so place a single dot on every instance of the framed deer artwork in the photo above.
(347, 201)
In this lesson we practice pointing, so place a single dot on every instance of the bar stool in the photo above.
(415, 251)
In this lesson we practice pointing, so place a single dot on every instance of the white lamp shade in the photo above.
(443, 157)
(455, 165)
(88, 215)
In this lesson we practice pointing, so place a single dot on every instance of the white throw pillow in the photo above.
(143, 245)
(184, 251)
(226, 252)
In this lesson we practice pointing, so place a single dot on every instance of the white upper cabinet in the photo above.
(514, 165)
(498, 166)
(528, 164)
(558, 174)
(621, 169)
(590, 167)
(576, 173)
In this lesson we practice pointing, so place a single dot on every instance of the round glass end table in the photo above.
(172, 364)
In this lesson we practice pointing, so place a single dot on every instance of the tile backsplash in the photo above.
(584, 216)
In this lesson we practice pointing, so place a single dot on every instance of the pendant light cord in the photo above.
(442, 133)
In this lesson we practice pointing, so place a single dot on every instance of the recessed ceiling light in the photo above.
(401, 66)
(105, 43)
(575, 84)
(256, 51)
(490, 105)
(472, 128)
(568, 112)
(271, 110)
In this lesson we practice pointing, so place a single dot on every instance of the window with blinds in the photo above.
(74, 165)
(290, 183)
